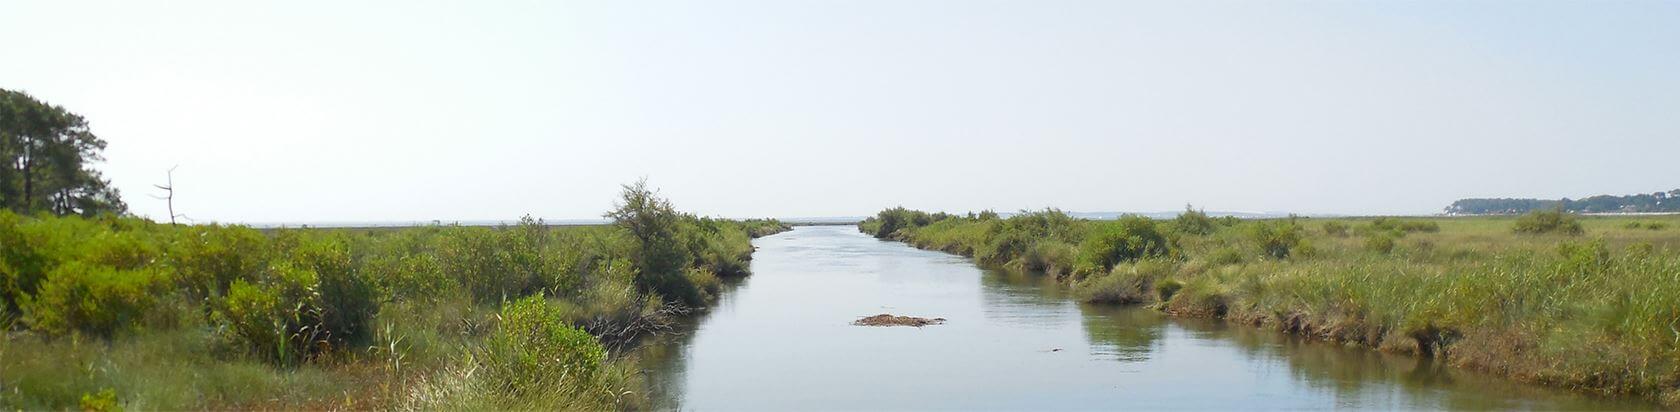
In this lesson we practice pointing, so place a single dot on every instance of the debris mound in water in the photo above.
(886, 319)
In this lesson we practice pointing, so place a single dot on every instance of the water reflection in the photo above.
(1024, 300)
(781, 340)
(1123, 334)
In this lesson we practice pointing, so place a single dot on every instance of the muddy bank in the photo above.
(886, 319)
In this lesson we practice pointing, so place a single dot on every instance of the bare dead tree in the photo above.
(169, 194)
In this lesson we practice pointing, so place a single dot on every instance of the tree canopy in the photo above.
(48, 155)
(1656, 202)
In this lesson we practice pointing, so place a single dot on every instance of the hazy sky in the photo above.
(408, 110)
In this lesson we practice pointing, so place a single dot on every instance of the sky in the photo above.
(307, 111)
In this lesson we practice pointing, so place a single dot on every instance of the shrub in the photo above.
(1334, 228)
(1127, 283)
(126, 250)
(1225, 256)
(272, 319)
(493, 264)
(1548, 221)
(1379, 242)
(346, 300)
(890, 221)
(660, 257)
(310, 302)
(1050, 256)
(715, 246)
(413, 277)
(208, 259)
(1045, 224)
(1420, 226)
(1127, 239)
(21, 265)
(92, 299)
(534, 351)
(1277, 238)
(704, 281)
(1166, 288)
(1645, 225)
(1194, 222)
(1588, 257)
(1388, 224)
(1002, 246)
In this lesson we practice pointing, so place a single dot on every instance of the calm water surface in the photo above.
(782, 339)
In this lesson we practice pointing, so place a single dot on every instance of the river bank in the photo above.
(784, 339)
(123, 313)
(1590, 311)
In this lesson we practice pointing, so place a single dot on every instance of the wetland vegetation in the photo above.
(111, 312)
(1584, 302)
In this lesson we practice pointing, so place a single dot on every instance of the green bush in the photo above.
(661, 257)
(1166, 288)
(273, 319)
(413, 277)
(1335, 228)
(1226, 256)
(1420, 226)
(1045, 224)
(208, 259)
(1127, 239)
(1050, 256)
(1194, 222)
(889, 222)
(1587, 257)
(311, 301)
(493, 264)
(704, 281)
(93, 299)
(1406, 226)
(1002, 246)
(127, 250)
(1548, 221)
(21, 264)
(533, 350)
(345, 301)
(716, 246)
(1127, 283)
(1277, 239)
(1645, 225)
(1379, 242)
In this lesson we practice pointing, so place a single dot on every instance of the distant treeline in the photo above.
(1641, 203)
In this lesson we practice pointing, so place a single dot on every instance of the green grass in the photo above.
(1596, 309)
(114, 312)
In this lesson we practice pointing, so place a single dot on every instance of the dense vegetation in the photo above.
(1590, 303)
(107, 311)
(1658, 202)
(47, 155)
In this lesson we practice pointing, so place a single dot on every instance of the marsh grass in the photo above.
(1583, 302)
(122, 313)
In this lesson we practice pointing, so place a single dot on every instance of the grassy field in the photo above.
(114, 313)
(1589, 303)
